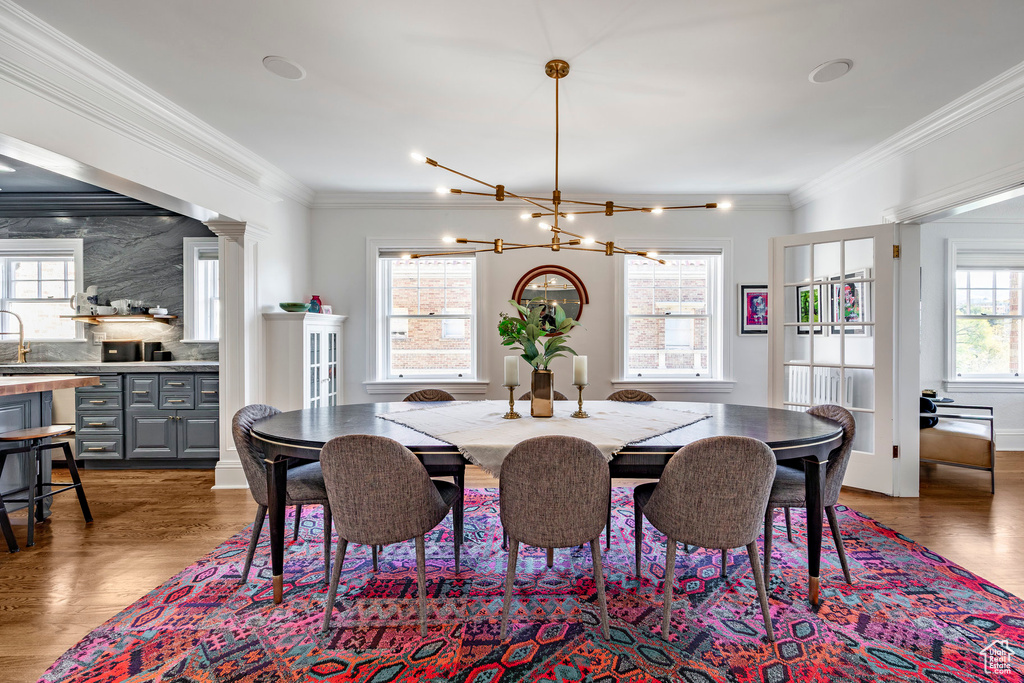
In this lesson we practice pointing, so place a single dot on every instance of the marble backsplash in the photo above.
(126, 258)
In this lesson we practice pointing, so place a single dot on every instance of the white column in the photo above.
(241, 338)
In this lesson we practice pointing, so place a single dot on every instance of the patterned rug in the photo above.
(909, 615)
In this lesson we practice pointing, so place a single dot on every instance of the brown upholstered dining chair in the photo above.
(379, 494)
(630, 395)
(559, 396)
(789, 489)
(553, 494)
(429, 396)
(712, 494)
(305, 484)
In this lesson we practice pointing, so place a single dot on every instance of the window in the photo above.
(428, 317)
(202, 289)
(673, 313)
(39, 279)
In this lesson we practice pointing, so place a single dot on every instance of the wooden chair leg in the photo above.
(769, 517)
(762, 596)
(551, 558)
(725, 561)
(670, 578)
(328, 528)
(833, 524)
(298, 521)
(595, 552)
(421, 582)
(510, 579)
(335, 576)
(638, 533)
(257, 528)
(76, 479)
(789, 526)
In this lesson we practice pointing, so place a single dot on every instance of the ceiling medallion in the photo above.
(553, 208)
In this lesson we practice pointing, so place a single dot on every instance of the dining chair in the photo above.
(379, 494)
(789, 488)
(552, 493)
(305, 485)
(630, 395)
(559, 396)
(712, 494)
(429, 396)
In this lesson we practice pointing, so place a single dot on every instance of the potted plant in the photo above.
(541, 334)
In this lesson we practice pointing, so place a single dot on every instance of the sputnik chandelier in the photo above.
(551, 209)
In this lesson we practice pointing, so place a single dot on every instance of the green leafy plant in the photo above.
(525, 335)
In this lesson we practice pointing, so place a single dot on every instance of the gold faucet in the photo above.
(23, 346)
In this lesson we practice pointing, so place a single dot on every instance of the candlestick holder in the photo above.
(580, 412)
(512, 414)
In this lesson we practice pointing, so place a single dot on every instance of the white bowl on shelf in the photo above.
(158, 311)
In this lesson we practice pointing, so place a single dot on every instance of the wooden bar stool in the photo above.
(34, 436)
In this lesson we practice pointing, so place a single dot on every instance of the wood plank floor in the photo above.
(151, 525)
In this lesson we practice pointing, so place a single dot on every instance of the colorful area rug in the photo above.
(909, 615)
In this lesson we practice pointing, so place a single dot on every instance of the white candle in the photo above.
(579, 370)
(511, 371)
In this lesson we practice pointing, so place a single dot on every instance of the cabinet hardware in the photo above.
(96, 448)
(97, 424)
(140, 391)
(208, 391)
(175, 384)
(175, 400)
(100, 402)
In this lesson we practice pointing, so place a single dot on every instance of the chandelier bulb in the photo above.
(570, 217)
(652, 254)
(406, 257)
(448, 239)
(416, 156)
(543, 226)
(657, 209)
(442, 190)
(525, 216)
(589, 240)
(725, 205)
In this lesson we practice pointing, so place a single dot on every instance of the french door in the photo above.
(832, 338)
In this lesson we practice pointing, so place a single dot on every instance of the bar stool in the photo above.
(34, 436)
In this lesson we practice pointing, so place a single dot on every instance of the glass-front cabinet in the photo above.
(304, 360)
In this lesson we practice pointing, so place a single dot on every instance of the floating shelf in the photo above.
(140, 318)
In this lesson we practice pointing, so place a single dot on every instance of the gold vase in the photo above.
(542, 393)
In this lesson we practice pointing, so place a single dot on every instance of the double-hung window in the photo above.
(39, 277)
(202, 289)
(987, 310)
(428, 325)
(673, 317)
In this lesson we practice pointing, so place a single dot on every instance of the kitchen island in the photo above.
(28, 402)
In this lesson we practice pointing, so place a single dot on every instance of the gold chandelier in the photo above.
(553, 208)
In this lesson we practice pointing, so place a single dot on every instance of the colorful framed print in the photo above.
(753, 309)
(849, 303)
(808, 307)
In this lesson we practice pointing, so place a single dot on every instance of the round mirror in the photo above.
(554, 284)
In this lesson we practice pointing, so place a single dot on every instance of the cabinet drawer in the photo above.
(98, 401)
(142, 391)
(107, 383)
(207, 391)
(198, 435)
(98, 423)
(177, 382)
(98, 448)
(170, 400)
(151, 434)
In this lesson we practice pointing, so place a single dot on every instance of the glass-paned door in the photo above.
(332, 368)
(831, 322)
(315, 370)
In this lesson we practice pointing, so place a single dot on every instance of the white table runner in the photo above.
(477, 429)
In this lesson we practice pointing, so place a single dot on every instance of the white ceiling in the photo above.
(665, 96)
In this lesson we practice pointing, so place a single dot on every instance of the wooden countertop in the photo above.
(12, 386)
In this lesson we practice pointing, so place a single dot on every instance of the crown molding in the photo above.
(164, 124)
(1004, 89)
(237, 230)
(65, 204)
(957, 195)
(430, 200)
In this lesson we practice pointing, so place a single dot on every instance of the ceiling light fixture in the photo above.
(553, 207)
(830, 70)
(285, 68)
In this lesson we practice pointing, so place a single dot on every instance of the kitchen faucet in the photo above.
(23, 346)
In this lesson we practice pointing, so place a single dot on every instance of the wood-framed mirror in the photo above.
(555, 284)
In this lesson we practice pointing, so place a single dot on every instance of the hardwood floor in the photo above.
(151, 525)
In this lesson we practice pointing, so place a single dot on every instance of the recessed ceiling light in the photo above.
(6, 169)
(830, 71)
(285, 68)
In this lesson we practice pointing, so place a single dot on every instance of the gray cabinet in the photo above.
(99, 420)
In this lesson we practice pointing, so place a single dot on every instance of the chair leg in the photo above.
(638, 533)
(335, 575)
(76, 479)
(551, 557)
(40, 497)
(670, 579)
(373, 551)
(298, 521)
(833, 523)
(421, 583)
(458, 542)
(789, 526)
(257, 528)
(5, 521)
(510, 579)
(595, 552)
(762, 596)
(725, 561)
(504, 539)
(608, 525)
(769, 517)
(328, 527)
(30, 509)
(459, 515)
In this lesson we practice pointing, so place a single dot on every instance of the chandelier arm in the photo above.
(529, 200)
(450, 253)
(468, 177)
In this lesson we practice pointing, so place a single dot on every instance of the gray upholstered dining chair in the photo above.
(789, 489)
(712, 494)
(630, 395)
(429, 396)
(305, 483)
(379, 494)
(553, 494)
(559, 396)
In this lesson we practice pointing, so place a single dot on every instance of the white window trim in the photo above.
(723, 327)
(190, 245)
(975, 383)
(41, 246)
(379, 382)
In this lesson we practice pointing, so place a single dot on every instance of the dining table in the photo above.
(791, 434)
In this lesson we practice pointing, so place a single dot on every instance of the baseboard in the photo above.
(1010, 439)
(229, 475)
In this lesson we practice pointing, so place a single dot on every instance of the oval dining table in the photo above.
(790, 434)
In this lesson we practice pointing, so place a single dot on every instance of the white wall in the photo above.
(340, 276)
(934, 315)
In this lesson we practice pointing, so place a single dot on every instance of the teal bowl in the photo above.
(293, 307)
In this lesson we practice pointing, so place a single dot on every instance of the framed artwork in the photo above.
(753, 309)
(329, 310)
(849, 303)
(808, 307)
